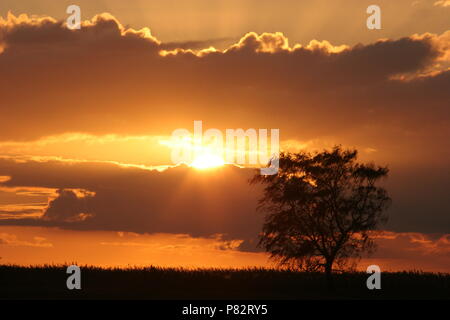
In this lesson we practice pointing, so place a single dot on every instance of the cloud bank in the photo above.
(106, 78)
(390, 96)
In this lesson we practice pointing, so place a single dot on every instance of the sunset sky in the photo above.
(86, 118)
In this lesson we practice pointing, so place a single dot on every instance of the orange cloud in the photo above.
(411, 251)
(442, 3)
(421, 243)
(12, 240)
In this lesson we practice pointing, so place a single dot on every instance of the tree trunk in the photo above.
(329, 275)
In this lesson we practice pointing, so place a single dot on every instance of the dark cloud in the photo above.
(68, 207)
(178, 200)
(196, 44)
(400, 245)
(108, 79)
(104, 196)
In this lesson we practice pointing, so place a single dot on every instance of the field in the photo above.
(49, 282)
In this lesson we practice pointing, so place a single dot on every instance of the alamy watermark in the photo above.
(238, 146)
(374, 281)
(74, 280)
(373, 22)
(74, 20)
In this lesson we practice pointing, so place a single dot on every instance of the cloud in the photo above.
(397, 251)
(195, 44)
(419, 243)
(68, 207)
(106, 78)
(12, 240)
(105, 196)
(20, 211)
(85, 195)
(178, 242)
(412, 250)
(442, 3)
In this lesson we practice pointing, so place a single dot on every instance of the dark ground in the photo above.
(49, 282)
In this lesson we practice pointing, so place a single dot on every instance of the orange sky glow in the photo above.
(86, 173)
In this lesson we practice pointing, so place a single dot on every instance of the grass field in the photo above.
(49, 282)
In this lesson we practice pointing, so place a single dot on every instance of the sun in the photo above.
(207, 161)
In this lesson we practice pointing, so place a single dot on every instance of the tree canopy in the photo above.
(321, 209)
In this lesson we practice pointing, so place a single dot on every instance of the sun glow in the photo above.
(207, 161)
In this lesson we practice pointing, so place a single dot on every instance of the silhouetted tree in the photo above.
(321, 208)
